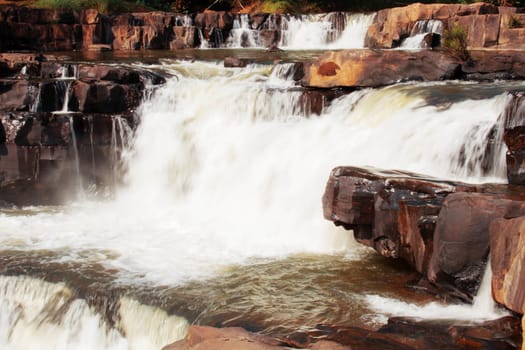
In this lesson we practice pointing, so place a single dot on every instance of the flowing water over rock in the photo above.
(219, 218)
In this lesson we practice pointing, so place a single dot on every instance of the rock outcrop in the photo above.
(486, 25)
(65, 30)
(373, 68)
(59, 125)
(444, 230)
(399, 334)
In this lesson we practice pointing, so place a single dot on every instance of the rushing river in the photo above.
(219, 217)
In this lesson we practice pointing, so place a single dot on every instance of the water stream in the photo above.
(218, 220)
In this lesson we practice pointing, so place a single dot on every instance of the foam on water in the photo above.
(225, 169)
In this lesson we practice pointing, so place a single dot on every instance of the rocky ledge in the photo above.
(62, 125)
(398, 334)
(24, 28)
(374, 68)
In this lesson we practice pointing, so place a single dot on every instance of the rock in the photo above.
(329, 345)
(234, 62)
(393, 212)
(215, 26)
(514, 137)
(368, 68)
(507, 256)
(461, 237)
(14, 95)
(205, 338)
(391, 26)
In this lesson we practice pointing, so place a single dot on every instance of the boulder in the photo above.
(461, 237)
(393, 212)
(369, 68)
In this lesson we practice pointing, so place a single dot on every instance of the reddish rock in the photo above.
(393, 212)
(391, 26)
(367, 68)
(207, 338)
(514, 137)
(461, 237)
(507, 242)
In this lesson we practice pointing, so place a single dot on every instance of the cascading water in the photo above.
(220, 213)
(421, 29)
(317, 32)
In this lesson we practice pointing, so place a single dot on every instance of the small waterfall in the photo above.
(325, 31)
(483, 302)
(242, 35)
(92, 145)
(422, 28)
(483, 307)
(74, 147)
(40, 315)
(121, 135)
(35, 90)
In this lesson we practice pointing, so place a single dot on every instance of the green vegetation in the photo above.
(454, 41)
(272, 6)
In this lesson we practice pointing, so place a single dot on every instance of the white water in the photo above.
(39, 315)
(418, 33)
(226, 170)
(483, 307)
(306, 32)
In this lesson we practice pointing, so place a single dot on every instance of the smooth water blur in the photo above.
(220, 220)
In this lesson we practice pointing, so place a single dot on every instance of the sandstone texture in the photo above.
(373, 68)
(486, 25)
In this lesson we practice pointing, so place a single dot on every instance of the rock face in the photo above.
(48, 147)
(514, 136)
(373, 68)
(507, 242)
(397, 214)
(57, 30)
(486, 25)
(368, 68)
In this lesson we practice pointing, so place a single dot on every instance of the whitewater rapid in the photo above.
(225, 169)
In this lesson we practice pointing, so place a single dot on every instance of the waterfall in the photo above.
(226, 171)
(483, 307)
(306, 32)
(242, 35)
(419, 32)
(74, 147)
(42, 315)
(323, 32)
(121, 134)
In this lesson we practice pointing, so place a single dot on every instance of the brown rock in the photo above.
(461, 237)
(14, 95)
(367, 68)
(207, 338)
(514, 137)
(507, 241)
(329, 345)
(391, 26)
(393, 212)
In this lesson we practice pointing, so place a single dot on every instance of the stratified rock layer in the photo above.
(62, 125)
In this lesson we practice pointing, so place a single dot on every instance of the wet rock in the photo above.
(14, 95)
(215, 26)
(393, 212)
(461, 237)
(234, 62)
(367, 68)
(514, 137)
